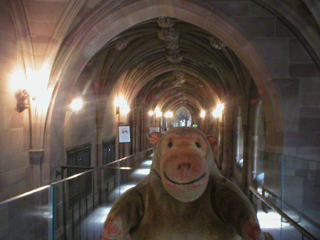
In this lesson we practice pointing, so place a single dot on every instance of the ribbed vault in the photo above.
(169, 63)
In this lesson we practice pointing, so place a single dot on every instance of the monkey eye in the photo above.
(170, 144)
(198, 145)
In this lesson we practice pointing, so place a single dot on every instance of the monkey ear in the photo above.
(154, 138)
(214, 142)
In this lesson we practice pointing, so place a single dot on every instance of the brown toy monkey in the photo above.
(184, 197)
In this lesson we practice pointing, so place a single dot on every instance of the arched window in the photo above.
(239, 157)
(259, 144)
(182, 117)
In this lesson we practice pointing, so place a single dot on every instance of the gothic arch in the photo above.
(85, 41)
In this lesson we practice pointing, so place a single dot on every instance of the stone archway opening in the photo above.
(73, 56)
(182, 117)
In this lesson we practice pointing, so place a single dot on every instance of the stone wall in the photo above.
(14, 131)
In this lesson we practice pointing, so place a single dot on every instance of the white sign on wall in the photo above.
(124, 134)
(154, 129)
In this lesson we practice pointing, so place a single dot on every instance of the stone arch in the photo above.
(182, 117)
(239, 138)
(258, 144)
(83, 43)
(259, 138)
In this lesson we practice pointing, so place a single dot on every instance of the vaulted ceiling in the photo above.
(171, 63)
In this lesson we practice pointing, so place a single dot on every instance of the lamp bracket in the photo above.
(22, 100)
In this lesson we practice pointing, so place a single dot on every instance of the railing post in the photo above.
(64, 204)
(93, 185)
(142, 158)
(281, 172)
(79, 209)
(86, 213)
(263, 205)
(119, 177)
(53, 219)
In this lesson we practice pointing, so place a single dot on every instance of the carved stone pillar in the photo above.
(255, 144)
(36, 158)
(222, 164)
(246, 170)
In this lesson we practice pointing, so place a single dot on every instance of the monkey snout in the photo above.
(184, 166)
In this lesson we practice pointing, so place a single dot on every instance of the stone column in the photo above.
(246, 170)
(255, 142)
(36, 158)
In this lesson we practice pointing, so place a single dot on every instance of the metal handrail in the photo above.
(70, 216)
(99, 168)
(287, 204)
(89, 168)
(301, 214)
(71, 177)
(303, 231)
(24, 194)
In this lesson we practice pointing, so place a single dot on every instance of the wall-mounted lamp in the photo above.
(217, 112)
(151, 113)
(121, 105)
(168, 114)
(22, 100)
(76, 104)
(203, 114)
(158, 112)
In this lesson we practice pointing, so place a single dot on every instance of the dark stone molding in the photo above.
(36, 156)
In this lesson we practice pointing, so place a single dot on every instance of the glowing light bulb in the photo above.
(218, 111)
(125, 109)
(203, 114)
(158, 112)
(168, 114)
(121, 105)
(76, 104)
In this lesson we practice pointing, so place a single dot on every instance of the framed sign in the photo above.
(124, 134)
(154, 129)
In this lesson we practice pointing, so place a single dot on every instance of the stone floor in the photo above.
(90, 228)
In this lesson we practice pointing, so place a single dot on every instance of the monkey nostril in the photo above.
(186, 166)
(198, 145)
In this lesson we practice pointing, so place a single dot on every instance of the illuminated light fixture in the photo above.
(76, 104)
(218, 111)
(203, 113)
(168, 114)
(125, 109)
(151, 113)
(121, 105)
(35, 85)
(22, 100)
(158, 112)
(37, 82)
